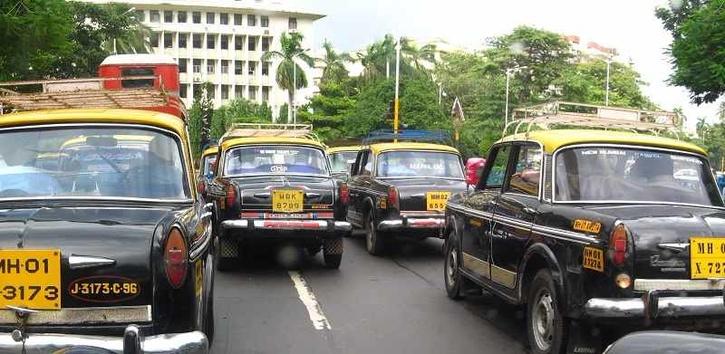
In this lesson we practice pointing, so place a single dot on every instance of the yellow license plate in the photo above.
(707, 257)
(436, 201)
(30, 279)
(287, 201)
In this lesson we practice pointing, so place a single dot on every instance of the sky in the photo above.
(630, 26)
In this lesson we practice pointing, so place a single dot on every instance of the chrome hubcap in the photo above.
(451, 267)
(543, 321)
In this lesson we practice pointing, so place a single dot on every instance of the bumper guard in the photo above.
(276, 224)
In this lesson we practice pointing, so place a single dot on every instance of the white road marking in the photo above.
(319, 321)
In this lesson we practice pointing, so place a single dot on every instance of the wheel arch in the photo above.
(539, 256)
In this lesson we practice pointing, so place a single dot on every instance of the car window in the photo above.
(339, 161)
(91, 162)
(419, 164)
(207, 165)
(498, 168)
(265, 160)
(525, 176)
(367, 168)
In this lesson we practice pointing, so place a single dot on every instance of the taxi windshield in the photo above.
(339, 161)
(419, 164)
(93, 162)
(265, 160)
(613, 174)
(207, 165)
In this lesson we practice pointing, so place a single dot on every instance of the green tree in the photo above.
(379, 57)
(291, 49)
(698, 58)
(334, 63)
(328, 110)
(585, 81)
(34, 34)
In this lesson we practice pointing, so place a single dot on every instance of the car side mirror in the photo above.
(474, 166)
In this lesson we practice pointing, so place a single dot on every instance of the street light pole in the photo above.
(397, 89)
(506, 114)
(294, 90)
(606, 96)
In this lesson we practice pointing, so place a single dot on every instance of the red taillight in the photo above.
(618, 244)
(393, 198)
(175, 258)
(344, 194)
(201, 187)
(231, 195)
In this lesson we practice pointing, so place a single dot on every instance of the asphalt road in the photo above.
(391, 304)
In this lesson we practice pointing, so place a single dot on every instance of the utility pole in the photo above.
(397, 89)
(506, 113)
(606, 97)
(294, 92)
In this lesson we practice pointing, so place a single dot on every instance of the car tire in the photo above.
(373, 242)
(225, 264)
(451, 268)
(209, 313)
(332, 252)
(546, 326)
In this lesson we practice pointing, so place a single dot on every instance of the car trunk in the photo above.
(99, 247)
(257, 192)
(413, 191)
(662, 233)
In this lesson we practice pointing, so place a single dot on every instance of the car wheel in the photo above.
(209, 313)
(227, 256)
(451, 271)
(332, 252)
(546, 326)
(374, 243)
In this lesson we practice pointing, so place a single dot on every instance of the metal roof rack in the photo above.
(253, 130)
(427, 136)
(78, 93)
(569, 114)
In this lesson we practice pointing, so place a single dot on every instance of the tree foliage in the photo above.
(698, 55)
(288, 68)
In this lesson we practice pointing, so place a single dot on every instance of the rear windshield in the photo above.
(340, 160)
(419, 164)
(207, 164)
(266, 160)
(91, 162)
(633, 175)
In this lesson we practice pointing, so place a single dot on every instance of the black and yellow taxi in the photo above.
(400, 188)
(273, 184)
(104, 243)
(206, 168)
(593, 231)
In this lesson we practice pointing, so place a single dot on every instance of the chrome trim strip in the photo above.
(622, 146)
(425, 223)
(288, 224)
(503, 276)
(83, 315)
(476, 265)
(420, 213)
(201, 246)
(565, 234)
(469, 211)
(82, 262)
(189, 342)
(675, 247)
(511, 222)
(235, 224)
(390, 224)
(343, 226)
(678, 284)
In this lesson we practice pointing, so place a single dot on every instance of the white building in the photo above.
(222, 41)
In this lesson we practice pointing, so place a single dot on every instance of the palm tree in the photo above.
(379, 57)
(124, 32)
(334, 63)
(291, 49)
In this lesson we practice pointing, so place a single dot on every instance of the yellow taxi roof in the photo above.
(121, 116)
(210, 151)
(335, 149)
(552, 140)
(270, 140)
(380, 147)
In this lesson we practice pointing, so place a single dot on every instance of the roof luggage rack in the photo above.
(568, 114)
(78, 93)
(253, 130)
(425, 136)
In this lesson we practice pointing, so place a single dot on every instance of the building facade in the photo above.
(222, 42)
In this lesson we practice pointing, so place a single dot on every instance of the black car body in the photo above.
(277, 189)
(400, 189)
(110, 248)
(647, 342)
(593, 228)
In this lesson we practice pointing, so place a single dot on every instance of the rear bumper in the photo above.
(131, 342)
(655, 307)
(330, 226)
(407, 222)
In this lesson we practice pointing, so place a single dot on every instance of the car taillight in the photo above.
(201, 187)
(618, 244)
(231, 195)
(175, 258)
(344, 194)
(393, 198)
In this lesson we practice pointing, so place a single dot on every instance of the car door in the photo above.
(359, 184)
(515, 212)
(480, 207)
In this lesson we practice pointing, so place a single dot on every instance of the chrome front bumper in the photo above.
(655, 307)
(132, 342)
(281, 224)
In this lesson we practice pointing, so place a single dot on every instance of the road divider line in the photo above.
(317, 317)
